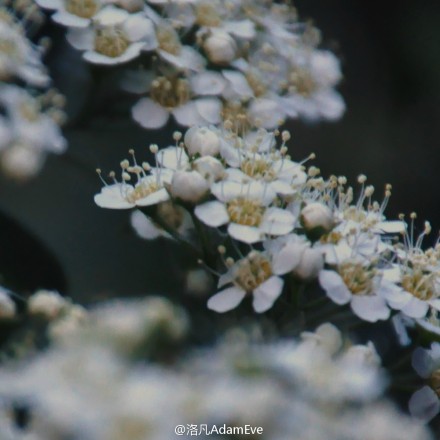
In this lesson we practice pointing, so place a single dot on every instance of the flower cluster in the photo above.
(30, 112)
(319, 386)
(281, 220)
(207, 61)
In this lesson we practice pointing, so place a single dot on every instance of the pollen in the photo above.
(419, 284)
(170, 92)
(168, 40)
(252, 271)
(82, 8)
(245, 212)
(111, 41)
(357, 278)
(258, 169)
(142, 190)
(207, 14)
(301, 82)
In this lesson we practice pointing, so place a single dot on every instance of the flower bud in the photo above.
(317, 218)
(312, 261)
(203, 141)
(363, 355)
(46, 303)
(210, 168)
(220, 47)
(189, 186)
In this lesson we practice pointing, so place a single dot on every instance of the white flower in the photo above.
(202, 141)
(18, 56)
(246, 209)
(359, 285)
(47, 303)
(72, 13)
(175, 96)
(147, 191)
(169, 47)
(424, 403)
(28, 123)
(115, 37)
(189, 186)
(255, 274)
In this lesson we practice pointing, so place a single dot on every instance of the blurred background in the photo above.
(53, 235)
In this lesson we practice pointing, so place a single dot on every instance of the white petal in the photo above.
(392, 227)
(209, 109)
(70, 20)
(415, 308)
(132, 51)
(154, 198)
(330, 104)
(277, 221)
(207, 83)
(266, 113)
(267, 293)
(242, 29)
(396, 297)
(138, 27)
(188, 115)
(111, 197)
(149, 114)
(334, 286)
(287, 258)
(422, 362)
(213, 214)
(226, 300)
(81, 39)
(50, 4)
(238, 83)
(424, 404)
(370, 308)
(246, 234)
(111, 16)
(144, 227)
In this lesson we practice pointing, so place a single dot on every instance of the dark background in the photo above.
(390, 54)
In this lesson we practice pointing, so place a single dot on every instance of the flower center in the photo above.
(30, 111)
(82, 8)
(245, 211)
(357, 278)
(111, 41)
(355, 214)
(252, 271)
(420, 285)
(257, 84)
(170, 92)
(142, 190)
(333, 237)
(301, 82)
(236, 114)
(168, 39)
(207, 14)
(257, 169)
